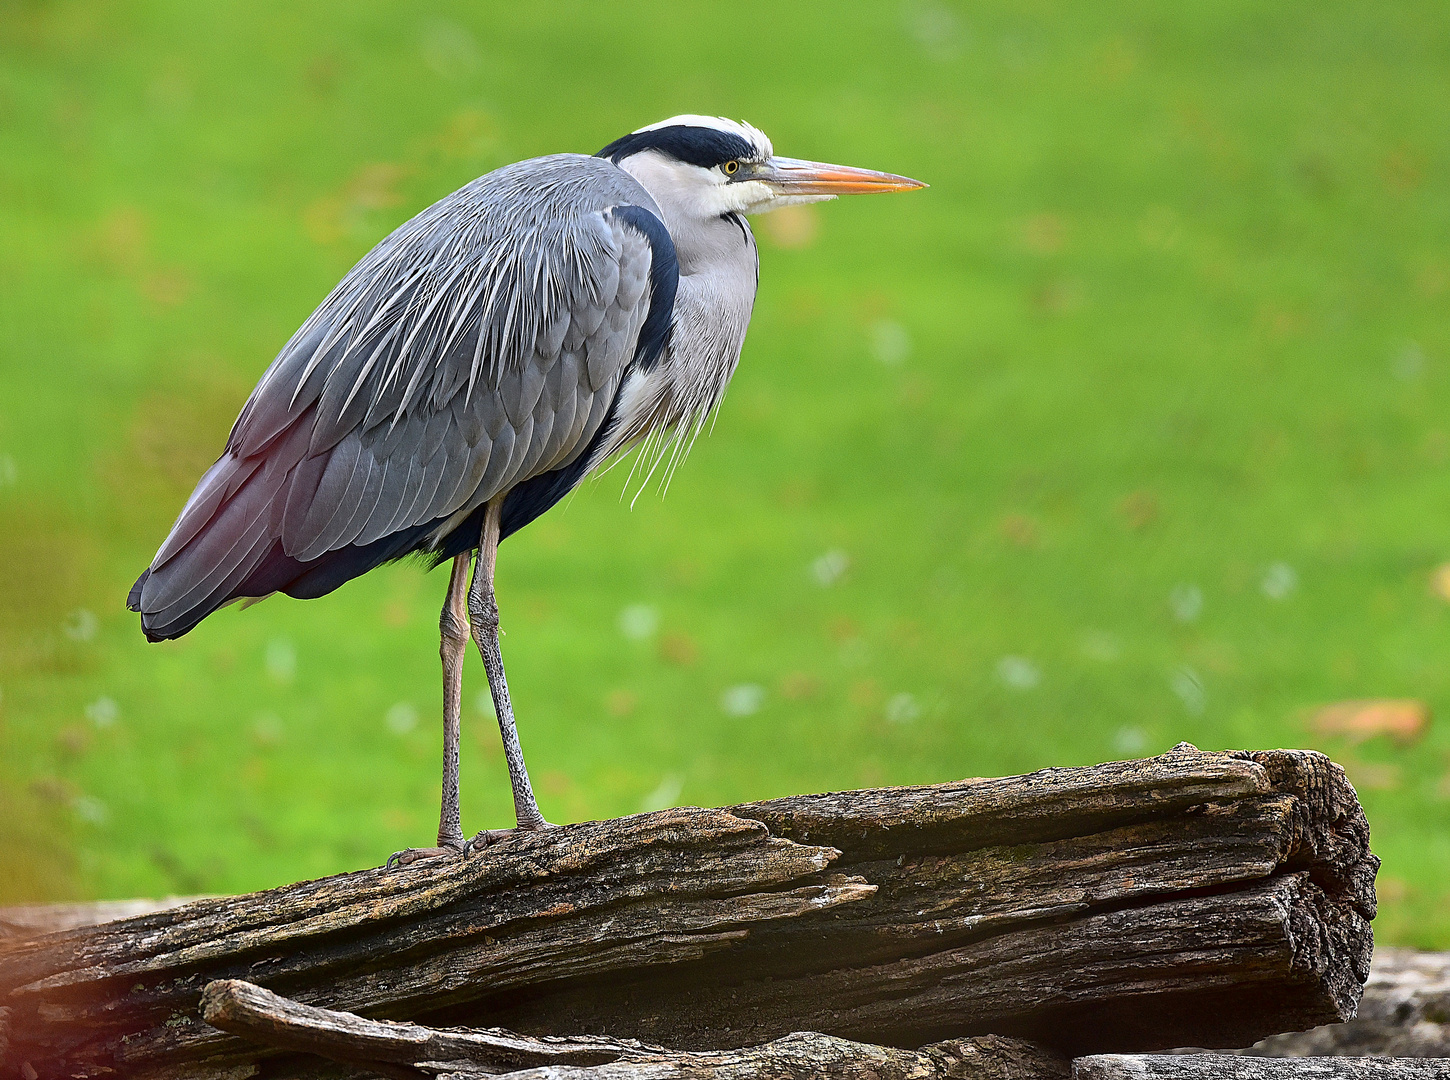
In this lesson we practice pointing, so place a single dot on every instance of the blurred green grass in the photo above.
(1132, 429)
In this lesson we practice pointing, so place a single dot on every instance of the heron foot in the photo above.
(399, 859)
(488, 837)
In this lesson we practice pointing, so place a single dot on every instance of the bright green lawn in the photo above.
(1174, 312)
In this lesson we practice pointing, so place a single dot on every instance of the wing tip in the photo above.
(133, 598)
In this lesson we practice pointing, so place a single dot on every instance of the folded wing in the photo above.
(479, 346)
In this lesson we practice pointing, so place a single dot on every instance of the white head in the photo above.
(705, 167)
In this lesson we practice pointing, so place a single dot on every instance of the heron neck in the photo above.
(711, 315)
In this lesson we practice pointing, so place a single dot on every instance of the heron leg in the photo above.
(483, 619)
(453, 644)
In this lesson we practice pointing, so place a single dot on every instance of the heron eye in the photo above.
(731, 168)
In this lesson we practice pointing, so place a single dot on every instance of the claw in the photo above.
(488, 837)
(407, 857)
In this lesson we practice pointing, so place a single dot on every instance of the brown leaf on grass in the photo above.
(677, 647)
(1392, 890)
(622, 702)
(1138, 509)
(1019, 530)
(372, 187)
(1403, 719)
(1403, 170)
(799, 685)
(73, 739)
(1372, 775)
(1059, 297)
(120, 241)
(1044, 234)
(1440, 581)
(167, 288)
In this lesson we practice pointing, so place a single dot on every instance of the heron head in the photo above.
(707, 166)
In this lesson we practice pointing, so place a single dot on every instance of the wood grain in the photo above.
(1194, 898)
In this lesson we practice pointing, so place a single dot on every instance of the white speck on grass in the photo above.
(1279, 581)
(280, 660)
(827, 570)
(1018, 672)
(81, 625)
(90, 809)
(902, 708)
(450, 50)
(1101, 646)
(890, 342)
(103, 712)
(1186, 601)
(1409, 362)
(402, 718)
(1188, 685)
(664, 796)
(936, 28)
(1130, 740)
(639, 621)
(743, 700)
(267, 729)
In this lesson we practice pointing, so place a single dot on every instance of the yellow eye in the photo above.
(731, 168)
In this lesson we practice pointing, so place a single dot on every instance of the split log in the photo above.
(1232, 1067)
(387, 1048)
(1405, 1012)
(1190, 899)
(35, 919)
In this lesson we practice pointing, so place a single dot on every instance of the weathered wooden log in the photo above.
(388, 1048)
(35, 919)
(1405, 1012)
(1190, 899)
(1233, 1067)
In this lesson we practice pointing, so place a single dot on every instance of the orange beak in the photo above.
(791, 176)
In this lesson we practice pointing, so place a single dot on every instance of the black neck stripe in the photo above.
(702, 146)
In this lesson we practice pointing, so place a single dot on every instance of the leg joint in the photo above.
(453, 628)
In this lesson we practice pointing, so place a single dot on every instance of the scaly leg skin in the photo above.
(483, 619)
(453, 634)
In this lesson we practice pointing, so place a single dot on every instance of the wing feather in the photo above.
(477, 346)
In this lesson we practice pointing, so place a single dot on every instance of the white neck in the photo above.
(719, 269)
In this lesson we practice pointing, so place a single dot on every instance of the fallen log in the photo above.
(1190, 899)
(387, 1048)
(1231, 1067)
(33, 920)
(1405, 1012)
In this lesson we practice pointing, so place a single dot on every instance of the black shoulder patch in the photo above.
(664, 280)
(702, 146)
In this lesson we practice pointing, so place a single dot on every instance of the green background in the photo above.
(1134, 428)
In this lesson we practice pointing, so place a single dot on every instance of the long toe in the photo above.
(399, 859)
(487, 837)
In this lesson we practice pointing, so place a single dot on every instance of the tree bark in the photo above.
(1195, 898)
(410, 1050)
(1232, 1067)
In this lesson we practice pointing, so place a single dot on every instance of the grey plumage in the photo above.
(478, 346)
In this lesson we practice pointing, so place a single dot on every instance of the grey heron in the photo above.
(470, 370)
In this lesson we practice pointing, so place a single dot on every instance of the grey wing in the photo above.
(478, 346)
